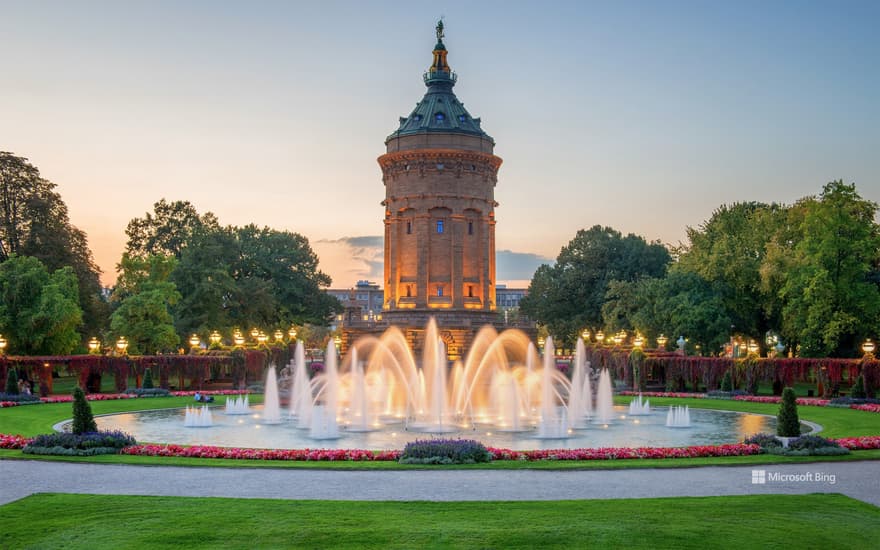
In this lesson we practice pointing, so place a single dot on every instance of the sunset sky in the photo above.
(644, 116)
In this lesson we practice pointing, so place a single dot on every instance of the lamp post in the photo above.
(291, 332)
(661, 341)
(585, 336)
(3, 344)
(753, 347)
(262, 338)
(255, 333)
(638, 341)
(541, 343)
(868, 347)
(279, 336)
(122, 345)
(600, 337)
(337, 340)
(238, 339)
(195, 341)
(215, 338)
(94, 346)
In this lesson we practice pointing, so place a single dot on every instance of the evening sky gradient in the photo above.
(644, 116)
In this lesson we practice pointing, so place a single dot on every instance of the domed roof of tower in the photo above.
(439, 111)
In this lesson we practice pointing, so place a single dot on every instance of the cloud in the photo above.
(510, 265)
(350, 259)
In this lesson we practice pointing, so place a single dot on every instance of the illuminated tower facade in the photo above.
(440, 172)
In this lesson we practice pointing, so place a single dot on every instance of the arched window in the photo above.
(409, 228)
(440, 117)
(440, 226)
(439, 290)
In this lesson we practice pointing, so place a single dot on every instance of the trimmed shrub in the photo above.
(444, 451)
(813, 445)
(12, 382)
(148, 392)
(19, 397)
(765, 441)
(83, 420)
(787, 422)
(88, 444)
(148, 379)
(858, 388)
(727, 382)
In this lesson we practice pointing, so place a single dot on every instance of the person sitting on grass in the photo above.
(198, 396)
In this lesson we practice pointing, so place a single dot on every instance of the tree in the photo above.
(831, 301)
(11, 382)
(728, 250)
(83, 420)
(681, 303)
(39, 312)
(569, 295)
(145, 296)
(34, 222)
(167, 230)
(787, 422)
(249, 276)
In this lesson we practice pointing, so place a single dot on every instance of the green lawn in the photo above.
(772, 521)
(34, 419)
(836, 422)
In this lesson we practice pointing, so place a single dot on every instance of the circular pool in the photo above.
(707, 427)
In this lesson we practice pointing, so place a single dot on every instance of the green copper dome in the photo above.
(439, 111)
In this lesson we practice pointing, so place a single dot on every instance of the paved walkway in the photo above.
(860, 480)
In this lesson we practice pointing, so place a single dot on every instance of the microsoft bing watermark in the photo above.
(763, 477)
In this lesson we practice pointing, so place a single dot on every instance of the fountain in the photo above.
(324, 423)
(238, 405)
(198, 417)
(553, 423)
(637, 407)
(580, 401)
(271, 401)
(678, 417)
(604, 400)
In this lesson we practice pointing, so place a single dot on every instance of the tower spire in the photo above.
(439, 64)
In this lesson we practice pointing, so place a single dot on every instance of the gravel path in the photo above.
(860, 480)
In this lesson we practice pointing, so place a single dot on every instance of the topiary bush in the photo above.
(89, 444)
(787, 422)
(148, 379)
(858, 388)
(727, 382)
(813, 445)
(83, 420)
(11, 382)
(765, 441)
(444, 451)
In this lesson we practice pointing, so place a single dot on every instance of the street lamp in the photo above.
(238, 338)
(338, 341)
(279, 336)
(639, 341)
(94, 345)
(3, 343)
(600, 337)
(195, 341)
(255, 333)
(868, 346)
(261, 337)
(541, 342)
(121, 345)
(661, 341)
(753, 347)
(215, 338)
(585, 335)
(292, 332)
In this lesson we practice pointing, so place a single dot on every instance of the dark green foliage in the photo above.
(12, 382)
(765, 441)
(148, 379)
(149, 392)
(444, 451)
(72, 444)
(787, 422)
(727, 382)
(145, 296)
(636, 362)
(34, 222)
(858, 388)
(568, 296)
(83, 420)
(39, 311)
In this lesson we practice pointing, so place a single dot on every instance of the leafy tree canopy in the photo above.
(34, 222)
(39, 311)
(569, 295)
(145, 296)
(167, 229)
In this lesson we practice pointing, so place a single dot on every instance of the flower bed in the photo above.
(775, 399)
(208, 451)
(683, 395)
(8, 441)
(868, 407)
(115, 396)
(860, 443)
(618, 453)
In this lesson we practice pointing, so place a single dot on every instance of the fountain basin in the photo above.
(708, 427)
